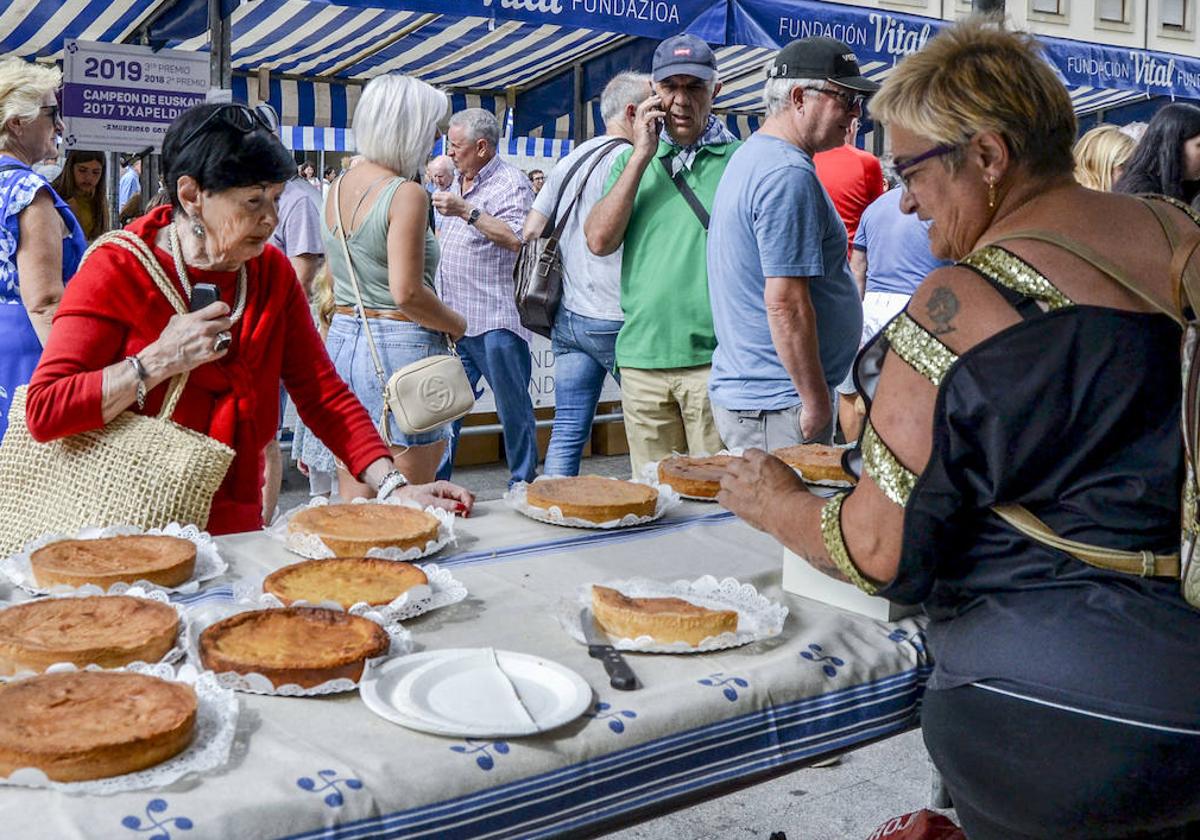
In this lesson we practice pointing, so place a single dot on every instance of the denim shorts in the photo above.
(399, 343)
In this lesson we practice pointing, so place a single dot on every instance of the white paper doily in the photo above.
(216, 724)
(516, 499)
(312, 547)
(209, 563)
(442, 591)
(253, 683)
(758, 616)
(650, 471)
(173, 655)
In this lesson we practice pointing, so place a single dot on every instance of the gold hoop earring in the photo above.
(991, 193)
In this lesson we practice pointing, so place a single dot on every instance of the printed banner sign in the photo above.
(121, 98)
(541, 381)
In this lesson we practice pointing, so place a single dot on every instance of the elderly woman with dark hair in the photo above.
(1167, 158)
(116, 340)
(1035, 379)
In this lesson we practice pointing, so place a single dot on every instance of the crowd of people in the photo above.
(729, 287)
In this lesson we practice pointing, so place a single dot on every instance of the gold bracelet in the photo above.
(835, 543)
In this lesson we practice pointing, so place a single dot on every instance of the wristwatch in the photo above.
(474, 215)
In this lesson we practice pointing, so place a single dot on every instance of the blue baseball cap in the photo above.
(684, 55)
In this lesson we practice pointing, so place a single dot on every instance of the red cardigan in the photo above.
(112, 309)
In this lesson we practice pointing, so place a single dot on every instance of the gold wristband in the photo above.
(835, 543)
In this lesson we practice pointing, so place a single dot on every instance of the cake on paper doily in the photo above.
(83, 725)
(662, 619)
(815, 462)
(304, 646)
(351, 530)
(344, 580)
(698, 477)
(162, 560)
(593, 498)
(105, 630)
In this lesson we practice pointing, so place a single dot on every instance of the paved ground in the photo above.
(844, 802)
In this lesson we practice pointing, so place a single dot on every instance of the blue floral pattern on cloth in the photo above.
(729, 685)
(816, 653)
(605, 711)
(155, 822)
(900, 637)
(17, 189)
(327, 780)
(482, 751)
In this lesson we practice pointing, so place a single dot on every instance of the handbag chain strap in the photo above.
(362, 310)
(135, 245)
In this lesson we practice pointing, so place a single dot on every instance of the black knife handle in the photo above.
(620, 675)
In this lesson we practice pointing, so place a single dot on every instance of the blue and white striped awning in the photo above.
(36, 28)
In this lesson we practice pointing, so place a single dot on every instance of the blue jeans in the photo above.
(585, 349)
(502, 358)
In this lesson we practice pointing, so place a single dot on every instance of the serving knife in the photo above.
(620, 675)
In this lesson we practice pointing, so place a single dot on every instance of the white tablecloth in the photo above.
(328, 767)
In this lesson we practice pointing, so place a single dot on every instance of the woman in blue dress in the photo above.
(40, 240)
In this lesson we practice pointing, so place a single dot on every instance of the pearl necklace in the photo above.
(181, 269)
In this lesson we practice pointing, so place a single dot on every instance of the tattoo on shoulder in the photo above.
(942, 307)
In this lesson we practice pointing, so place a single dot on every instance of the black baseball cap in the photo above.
(820, 58)
(684, 55)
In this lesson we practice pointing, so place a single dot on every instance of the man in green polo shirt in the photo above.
(656, 205)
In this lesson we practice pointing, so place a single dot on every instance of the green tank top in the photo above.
(368, 248)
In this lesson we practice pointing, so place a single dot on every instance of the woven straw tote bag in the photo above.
(136, 470)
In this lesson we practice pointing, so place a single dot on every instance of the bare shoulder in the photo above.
(959, 307)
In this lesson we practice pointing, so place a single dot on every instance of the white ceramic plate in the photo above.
(458, 693)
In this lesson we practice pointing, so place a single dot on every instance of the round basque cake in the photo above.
(699, 477)
(166, 561)
(352, 530)
(593, 498)
(105, 630)
(665, 620)
(815, 461)
(344, 580)
(302, 646)
(93, 724)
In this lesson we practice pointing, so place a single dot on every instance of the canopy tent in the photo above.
(548, 58)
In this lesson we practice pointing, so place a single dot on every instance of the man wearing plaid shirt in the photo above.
(480, 236)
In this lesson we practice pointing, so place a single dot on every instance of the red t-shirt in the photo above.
(853, 178)
(112, 309)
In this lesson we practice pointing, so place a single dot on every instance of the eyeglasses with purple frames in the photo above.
(900, 165)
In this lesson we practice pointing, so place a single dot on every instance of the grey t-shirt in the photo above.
(591, 284)
(299, 228)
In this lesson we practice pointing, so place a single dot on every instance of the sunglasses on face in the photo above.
(849, 100)
(241, 118)
(901, 167)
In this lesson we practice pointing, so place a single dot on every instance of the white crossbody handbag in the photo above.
(423, 395)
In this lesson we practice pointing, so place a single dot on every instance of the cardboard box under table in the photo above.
(328, 767)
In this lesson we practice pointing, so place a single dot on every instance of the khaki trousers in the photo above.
(667, 411)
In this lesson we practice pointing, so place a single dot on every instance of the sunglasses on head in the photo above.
(239, 117)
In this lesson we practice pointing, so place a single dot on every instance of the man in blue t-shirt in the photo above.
(785, 309)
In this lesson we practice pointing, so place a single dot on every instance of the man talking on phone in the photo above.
(656, 205)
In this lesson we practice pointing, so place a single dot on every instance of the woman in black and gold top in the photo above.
(1065, 701)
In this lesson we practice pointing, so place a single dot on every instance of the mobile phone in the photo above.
(203, 294)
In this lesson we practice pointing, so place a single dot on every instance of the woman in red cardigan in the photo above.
(116, 340)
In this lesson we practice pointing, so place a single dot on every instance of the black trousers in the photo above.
(1023, 771)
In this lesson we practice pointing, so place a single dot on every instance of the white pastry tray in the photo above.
(442, 591)
(216, 725)
(207, 614)
(209, 563)
(173, 655)
(758, 617)
(312, 547)
(517, 500)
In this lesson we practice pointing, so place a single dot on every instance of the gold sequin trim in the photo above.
(1011, 271)
(894, 479)
(920, 348)
(1178, 205)
(835, 543)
